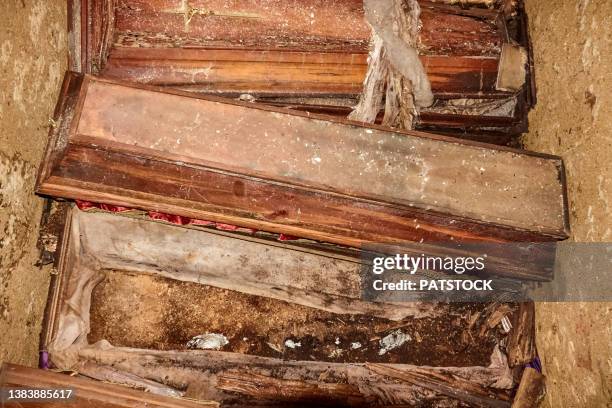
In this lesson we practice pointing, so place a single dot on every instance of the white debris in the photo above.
(506, 324)
(247, 98)
(208, 341)
(337, 340)
(292, 344)
(393, 340)
(355, 345)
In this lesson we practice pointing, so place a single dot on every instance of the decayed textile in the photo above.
(395, 73)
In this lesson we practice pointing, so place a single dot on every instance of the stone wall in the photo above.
(573, 119)
(32, 63)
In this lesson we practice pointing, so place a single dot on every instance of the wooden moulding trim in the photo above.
(58, 132)
(468, 76)
(65, 251)
(76, 39)
(432, 220)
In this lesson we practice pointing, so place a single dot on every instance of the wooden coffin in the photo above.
(308, 55)
(131, 292)
(294, 173)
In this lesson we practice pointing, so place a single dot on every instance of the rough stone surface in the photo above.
(32, 63)
(573, 118)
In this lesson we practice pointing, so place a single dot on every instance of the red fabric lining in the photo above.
(174, 219)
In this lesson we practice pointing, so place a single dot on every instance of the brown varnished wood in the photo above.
(284, 72)
(272, 47)
(306, 25)
(109, 151)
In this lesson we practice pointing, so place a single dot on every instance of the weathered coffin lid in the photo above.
(495, 185)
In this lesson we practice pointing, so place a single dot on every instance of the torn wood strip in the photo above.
(110, 375)
(267, 388)
(521, 343)
(531, 391)
(496, 312)
(454, 387)
(86, 392)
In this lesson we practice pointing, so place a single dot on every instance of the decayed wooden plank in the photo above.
(521, 342)
(242, 380)
(87, 393)
(264, 387)
(531, 389)
(444, 384)
(284, 171)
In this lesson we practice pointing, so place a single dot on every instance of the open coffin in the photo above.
(130, 293)
(312, 55)
(295, 173)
